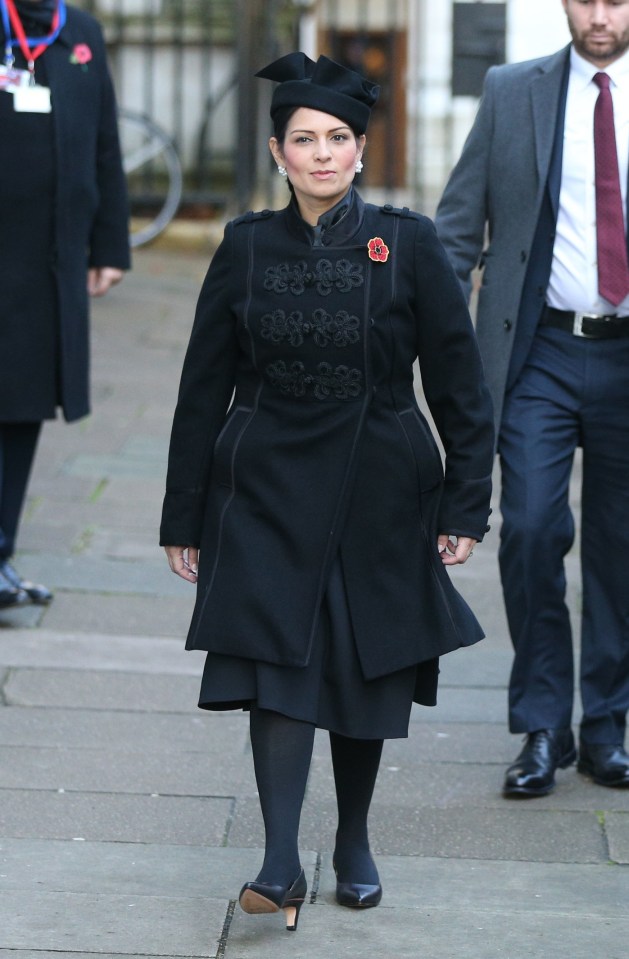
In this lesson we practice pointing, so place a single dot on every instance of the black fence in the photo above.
(188, 66)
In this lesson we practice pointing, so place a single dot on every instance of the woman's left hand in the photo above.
(100, 279)
(455, 550)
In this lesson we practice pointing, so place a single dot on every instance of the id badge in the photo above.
(12, 79)
(32, 99)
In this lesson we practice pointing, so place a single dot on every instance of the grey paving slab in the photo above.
(44, 954)
(464, 705)
(121, 614)
(96, 575)
(141, 925)
(520, 834)
(32, 814)
(617, 830)
(130, 869)
(125, 731)
(103, 690)
(445, 742)
(106, 769)
(23, 617)
(440, 933)
(46, 648)
(86, 465)
(480, 666)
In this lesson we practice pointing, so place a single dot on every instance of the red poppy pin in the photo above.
(81, 55)
(378, 250)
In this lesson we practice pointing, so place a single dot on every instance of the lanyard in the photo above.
(31, 48)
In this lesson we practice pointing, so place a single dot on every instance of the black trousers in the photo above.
(18, 444)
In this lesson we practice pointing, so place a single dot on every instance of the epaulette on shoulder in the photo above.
(400, 211)
(252, 216)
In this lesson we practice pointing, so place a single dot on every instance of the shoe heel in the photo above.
(291, 911)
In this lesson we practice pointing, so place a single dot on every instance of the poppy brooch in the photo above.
(81, 55)
(378, 250)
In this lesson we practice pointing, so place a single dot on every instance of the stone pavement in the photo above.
(128, 818)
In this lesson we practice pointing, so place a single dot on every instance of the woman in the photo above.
(311, 508)
(64, 236)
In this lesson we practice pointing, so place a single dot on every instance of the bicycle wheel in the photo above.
(153, 171)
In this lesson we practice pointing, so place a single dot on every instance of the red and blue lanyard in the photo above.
(31, 48)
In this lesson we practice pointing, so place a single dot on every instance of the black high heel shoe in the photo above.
(357, 895)
(262, 897)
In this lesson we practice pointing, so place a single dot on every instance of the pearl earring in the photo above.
(359, 166)
(282, 170)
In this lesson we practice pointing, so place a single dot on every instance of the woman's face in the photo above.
(320, 153)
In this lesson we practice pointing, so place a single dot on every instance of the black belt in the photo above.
(590, 325)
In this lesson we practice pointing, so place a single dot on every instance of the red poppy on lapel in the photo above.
(81, 54)
(378, 250)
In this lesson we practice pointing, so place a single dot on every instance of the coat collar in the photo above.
(329, 231)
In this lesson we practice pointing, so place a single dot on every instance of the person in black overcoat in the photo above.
(63, 236)
(305, 495)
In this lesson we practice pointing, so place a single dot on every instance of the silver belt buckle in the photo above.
(577, 325)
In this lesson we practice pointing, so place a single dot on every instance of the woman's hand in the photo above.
(455, 550)
(100, 279)
(184, 561)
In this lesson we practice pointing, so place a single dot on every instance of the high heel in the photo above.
(357, 895)
(262, 897)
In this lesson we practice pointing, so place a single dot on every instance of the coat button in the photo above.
(507, 325)
(523, 256)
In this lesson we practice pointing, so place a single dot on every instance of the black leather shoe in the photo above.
(38, 594)
(10, 596)
(357, 895)
(533, 772)
(262, 897)
(606, 764)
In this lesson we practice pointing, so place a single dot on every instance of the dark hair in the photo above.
(282, 117)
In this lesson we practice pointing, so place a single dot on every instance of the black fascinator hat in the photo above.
(322, 85)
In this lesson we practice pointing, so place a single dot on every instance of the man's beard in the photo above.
(614, 48)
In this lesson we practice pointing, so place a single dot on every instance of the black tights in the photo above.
(282, 751)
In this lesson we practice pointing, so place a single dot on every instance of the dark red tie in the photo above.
(613, 268)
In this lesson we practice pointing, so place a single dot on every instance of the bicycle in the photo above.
(149, 159)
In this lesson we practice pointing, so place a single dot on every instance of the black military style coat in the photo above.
(297, 437)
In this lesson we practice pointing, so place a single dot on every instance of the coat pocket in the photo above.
(226, 446)
(423, 447)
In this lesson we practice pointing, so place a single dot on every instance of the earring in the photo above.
(282, 170)
(359, 166)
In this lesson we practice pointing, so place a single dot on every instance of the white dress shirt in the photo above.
(574, 278)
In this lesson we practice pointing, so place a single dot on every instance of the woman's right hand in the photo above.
(184, 561)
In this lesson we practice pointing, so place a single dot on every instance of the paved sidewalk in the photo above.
(128, 818)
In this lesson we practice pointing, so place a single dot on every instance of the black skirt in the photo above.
(330, 691)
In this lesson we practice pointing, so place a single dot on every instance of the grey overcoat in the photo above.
(486, 214)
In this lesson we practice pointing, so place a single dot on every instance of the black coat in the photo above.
(324, 447)
(47, 247)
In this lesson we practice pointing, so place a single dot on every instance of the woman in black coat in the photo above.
(63, 236)
(305, 492)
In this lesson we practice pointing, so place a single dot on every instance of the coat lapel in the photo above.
(548, 97)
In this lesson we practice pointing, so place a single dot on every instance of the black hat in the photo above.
(324, 85)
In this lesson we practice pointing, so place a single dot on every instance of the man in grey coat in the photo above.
(538, 199)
